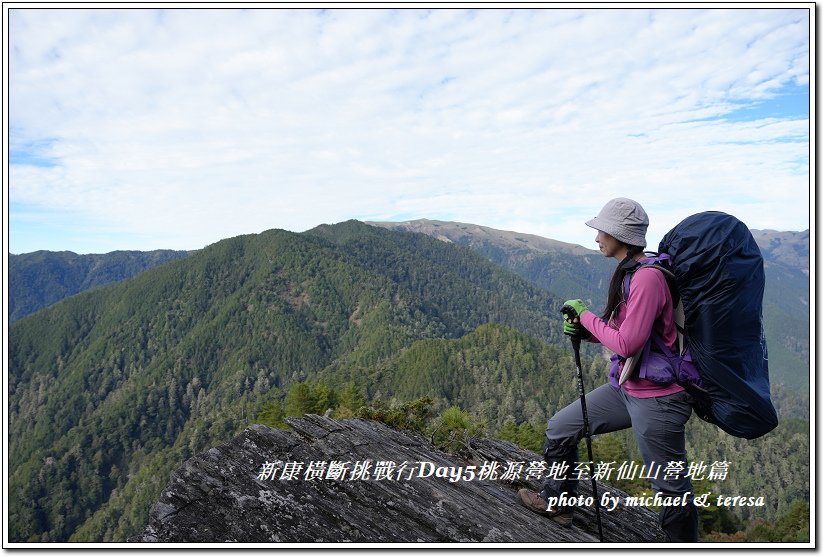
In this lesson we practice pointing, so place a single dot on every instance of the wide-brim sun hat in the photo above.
(623, 219)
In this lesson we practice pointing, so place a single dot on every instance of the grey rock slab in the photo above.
(219, 496)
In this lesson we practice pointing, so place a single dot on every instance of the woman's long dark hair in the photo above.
(616, 283)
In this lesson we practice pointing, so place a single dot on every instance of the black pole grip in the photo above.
(570, 315)
(569, 312)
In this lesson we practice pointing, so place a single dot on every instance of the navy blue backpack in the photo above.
(719, 274)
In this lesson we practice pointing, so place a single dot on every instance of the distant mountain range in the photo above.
(41, 278)
(788, 248)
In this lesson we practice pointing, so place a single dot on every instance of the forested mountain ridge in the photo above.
(572, 271)
(41, 278)
(112, 388)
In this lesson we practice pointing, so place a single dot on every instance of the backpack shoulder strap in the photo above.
(661, 262)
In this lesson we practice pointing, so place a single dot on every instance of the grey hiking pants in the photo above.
(658, 424)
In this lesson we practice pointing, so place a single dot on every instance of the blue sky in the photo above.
(148, 129)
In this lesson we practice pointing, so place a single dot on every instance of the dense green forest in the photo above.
(110, 390)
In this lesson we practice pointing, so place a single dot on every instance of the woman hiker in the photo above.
(656, 413)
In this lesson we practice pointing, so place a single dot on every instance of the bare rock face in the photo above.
(362, 481)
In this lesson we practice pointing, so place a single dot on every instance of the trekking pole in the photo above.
(571, 314)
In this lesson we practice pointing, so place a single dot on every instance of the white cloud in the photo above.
(183, 127)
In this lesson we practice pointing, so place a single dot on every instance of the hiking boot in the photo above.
(535, 502)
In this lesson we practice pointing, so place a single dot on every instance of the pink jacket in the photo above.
(649, 305)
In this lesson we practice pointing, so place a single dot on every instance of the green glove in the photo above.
(577, 305)
(576, 330)
(572, 311)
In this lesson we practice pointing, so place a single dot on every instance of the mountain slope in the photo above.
(787, 304)
(41, 278)
(110, 389)
(496, 373)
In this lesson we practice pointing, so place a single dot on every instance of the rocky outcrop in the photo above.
(362, 481)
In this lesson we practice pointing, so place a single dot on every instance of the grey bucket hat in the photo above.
(624, 220)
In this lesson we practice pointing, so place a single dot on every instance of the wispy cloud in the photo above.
(181, 127)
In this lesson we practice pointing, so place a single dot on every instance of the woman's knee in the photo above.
(562, 433)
